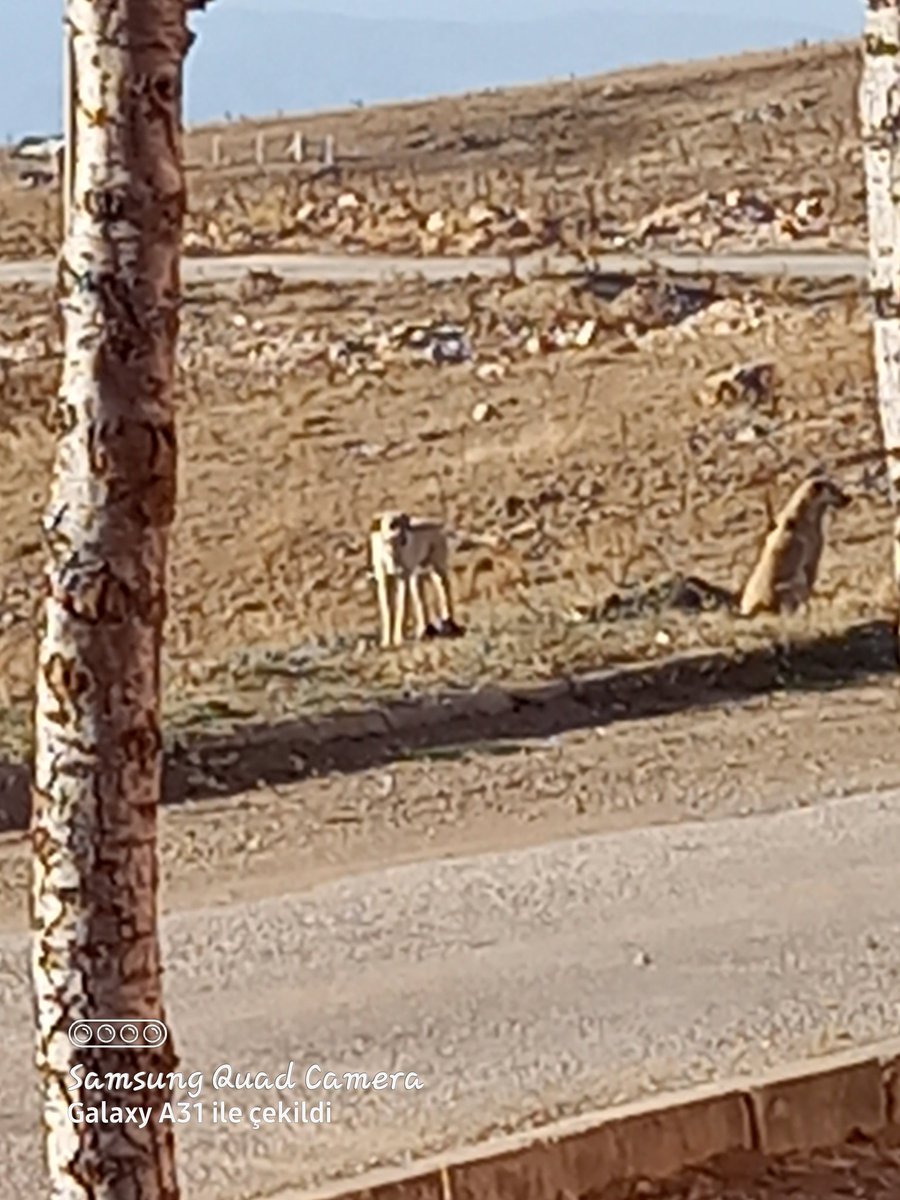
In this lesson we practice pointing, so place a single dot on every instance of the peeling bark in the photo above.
(98, 737)
(879, 102)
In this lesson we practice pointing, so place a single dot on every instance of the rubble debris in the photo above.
(773, 110)
(489, 341)
(442, 343)
(807, 219)
(652, 303)
(259, 285)
(752, 383)
(503, 212)
(721, 317)
(491, 372)
(679, 593)
(484, 411)
(708, 218)
(605, 285)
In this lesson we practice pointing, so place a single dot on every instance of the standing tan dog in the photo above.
(785, 574)
(404, 550)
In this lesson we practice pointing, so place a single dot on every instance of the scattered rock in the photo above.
(751, 383)
(484, 412)
(710, 217)
(681, 593)
(523, 529)
(442, 343)
(490, 372)
(259, 286)
(585, 334)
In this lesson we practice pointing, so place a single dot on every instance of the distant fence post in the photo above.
(298, 147)
(216, 149)
(260, 149)
(328, 150)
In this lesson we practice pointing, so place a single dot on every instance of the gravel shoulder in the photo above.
(519, 986)
(436, 801)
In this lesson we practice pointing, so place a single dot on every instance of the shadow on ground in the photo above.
(202, 766)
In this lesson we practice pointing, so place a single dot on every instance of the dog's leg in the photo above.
(808, 619)
(448, 625)
(384, 585)
(445, 604)
(419, 611)
(400, 609)
(784, 644)
(787, 612)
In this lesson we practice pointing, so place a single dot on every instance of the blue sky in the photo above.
(842, 13)
(256, 57)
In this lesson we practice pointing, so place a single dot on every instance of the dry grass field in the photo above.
(762, 148)
(576, 455)
(601, 498)
(600, 472)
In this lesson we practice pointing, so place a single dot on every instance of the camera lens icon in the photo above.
(112, 1034)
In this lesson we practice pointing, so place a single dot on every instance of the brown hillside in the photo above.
(583, 164)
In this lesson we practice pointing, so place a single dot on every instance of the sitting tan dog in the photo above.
(404, 550)
(785, 574)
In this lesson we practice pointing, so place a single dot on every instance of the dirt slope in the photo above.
(583, 165)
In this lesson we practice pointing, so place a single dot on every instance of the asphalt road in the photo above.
(516, 986)
(355, 268)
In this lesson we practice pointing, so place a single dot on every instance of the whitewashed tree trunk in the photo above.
(98, 739)
(880, 122)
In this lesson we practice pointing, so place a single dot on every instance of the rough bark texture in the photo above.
(880, 120)
(98, 740)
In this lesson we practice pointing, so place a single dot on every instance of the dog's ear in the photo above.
(836, 495)
(403, 529)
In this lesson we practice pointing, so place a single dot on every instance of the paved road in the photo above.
(515, 985)
(342, 268)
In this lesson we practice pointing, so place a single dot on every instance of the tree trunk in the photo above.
(98, 735)
(880, 122)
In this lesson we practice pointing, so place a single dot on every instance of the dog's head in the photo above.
(821, 493)
(394, 529)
